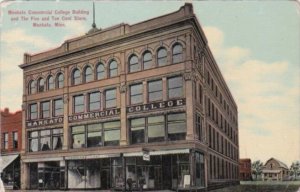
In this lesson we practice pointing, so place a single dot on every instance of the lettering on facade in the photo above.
(44, 122)
(158, 105)
(94, 115)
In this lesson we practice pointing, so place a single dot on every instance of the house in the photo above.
(275, 170)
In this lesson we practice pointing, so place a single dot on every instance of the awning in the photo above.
(44, 159)
(5, 160)
(160, 152)
(271, 171)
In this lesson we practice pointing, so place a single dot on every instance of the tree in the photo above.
(295, 169)
(256, 168)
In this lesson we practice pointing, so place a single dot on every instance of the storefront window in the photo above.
(117, 173)
(94, 135)
(78, 136)
(111, 133)
(93, 174)
(137, 130)
(176, 126)
(156, 128)
(33, 175)
(76, 176)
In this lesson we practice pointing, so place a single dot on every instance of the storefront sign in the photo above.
(146, 156)
(44, 122)
(158, 105)
(94, 115)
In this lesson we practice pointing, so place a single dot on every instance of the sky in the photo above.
(255, 43)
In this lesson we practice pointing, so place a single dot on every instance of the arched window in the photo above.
(161, 57)
(177, 55)
(41, 85)
(100, 71)
(76, 77)
(32, 87)
(88, 74)
(147, 60)
(50, 82)
(60, 80)
(134, 64)
(113, 68)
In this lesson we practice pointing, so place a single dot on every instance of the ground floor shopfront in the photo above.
(157, 171)
(10, 171)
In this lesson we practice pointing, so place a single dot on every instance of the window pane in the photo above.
(156, 128)
(50, 83)
(78, 141)
(176, 126)
(156, 119)
(94, 135)
(113, 69)
(147, 60)
(57, 142)
(32, 88)
(175, 87)
(45, 143)
(162, 57)
(76, 77)
(112, 135)
(79, 104)
(155, 90)
(33, 111)
(58, 107)
(45, 109)
(60, 80)
(33, 134)
(100, 71)
(78, 129)
(33, 145)
(137, 130)
(111, 125)
(110, 98)
(41, 85)
(134, 64)
(136, 94)
(177, 53)
(94, 101)
(88, 74)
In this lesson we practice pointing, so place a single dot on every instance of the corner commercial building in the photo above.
(141, 105)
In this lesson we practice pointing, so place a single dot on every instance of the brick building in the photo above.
(245, 170)
(11, 129)
(130, 106)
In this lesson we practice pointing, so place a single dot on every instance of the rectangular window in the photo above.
(175, 89)
(110, 98)
(78, 137)
(78, 104)
(137, 130)
(58, 107)
(156, 128)
(94, 135)
(199, 126)
(200, 94)
(136, 94)
(5, 140)
(45, 140)
(155, 90)
(176, 126)
(112, 133)
(15, 140)
(33, 141)
(33, 111)
(45, 109)
(94, 101)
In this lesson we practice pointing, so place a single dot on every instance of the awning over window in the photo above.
(161, 152)
(5, 160)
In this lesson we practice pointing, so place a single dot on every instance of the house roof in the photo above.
(281, 164)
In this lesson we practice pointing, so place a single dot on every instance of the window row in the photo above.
(44, 140)
(220, 121)
(222, 169)
(219, 97)
(5, 140)
(221, 144)
(158, 128)
(95, 135)
(45, 110)
(42, 85)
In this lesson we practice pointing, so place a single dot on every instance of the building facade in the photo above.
(130, 106)
(245, 170)
(11, 129)
(275, 170)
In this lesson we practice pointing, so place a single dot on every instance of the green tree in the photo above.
(256, 168)
(295, 169)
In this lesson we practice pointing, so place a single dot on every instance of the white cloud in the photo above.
(268, 103)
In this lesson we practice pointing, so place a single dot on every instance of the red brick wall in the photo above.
(11, 122)
(245, 169)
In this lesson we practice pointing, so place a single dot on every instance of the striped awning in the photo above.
(6, 160)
